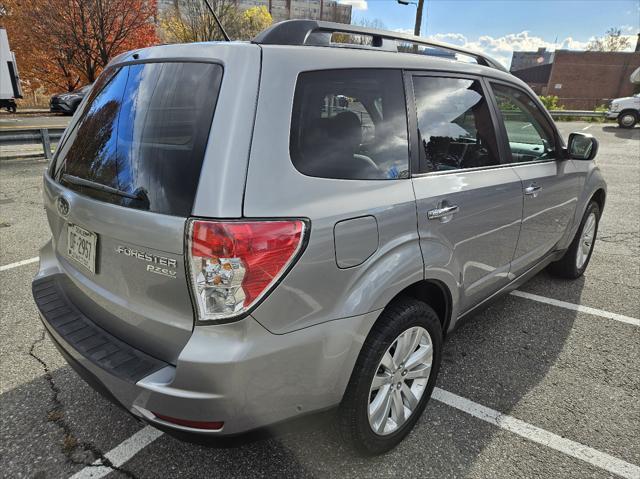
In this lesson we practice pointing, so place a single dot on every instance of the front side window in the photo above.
(454, 123)
(530, 138)
(350, 124)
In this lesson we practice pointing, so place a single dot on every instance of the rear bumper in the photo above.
(238, 373)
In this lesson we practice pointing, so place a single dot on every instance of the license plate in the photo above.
(81, 246)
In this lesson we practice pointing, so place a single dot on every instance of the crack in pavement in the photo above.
(619, 237)
(55, 414)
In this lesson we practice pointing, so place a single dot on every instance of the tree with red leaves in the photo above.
(65, 43)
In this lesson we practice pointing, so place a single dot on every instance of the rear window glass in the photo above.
(141, 139)
(350, 124)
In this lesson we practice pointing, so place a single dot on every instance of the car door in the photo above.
(469, 201)
(550, 183)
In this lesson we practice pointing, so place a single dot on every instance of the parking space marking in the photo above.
(586, 127)
(540, 436)
(577, 307)
(19, 263)
(120, 454)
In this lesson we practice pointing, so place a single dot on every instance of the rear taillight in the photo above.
(233, 264)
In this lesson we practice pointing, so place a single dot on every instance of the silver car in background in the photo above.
(244, 233)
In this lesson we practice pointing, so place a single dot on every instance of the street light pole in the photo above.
(416, 30)
(419, 7)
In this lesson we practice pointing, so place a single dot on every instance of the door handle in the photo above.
(443, 213)
(532, 190)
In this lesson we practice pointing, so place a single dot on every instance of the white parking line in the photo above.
(535, 434)
(587, 127)
(576, 307)
(120, 454)
(19, 263)
(130, 447)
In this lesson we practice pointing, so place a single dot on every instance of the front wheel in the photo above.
(575, 260)
(393, 377)
(627, 119)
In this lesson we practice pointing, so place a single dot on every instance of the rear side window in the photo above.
(350, 124)
(454, 122)
(141, 140)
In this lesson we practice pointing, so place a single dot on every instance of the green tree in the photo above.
(189, 21)
(550, 102)
(613, 41)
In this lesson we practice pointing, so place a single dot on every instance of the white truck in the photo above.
(10, 88)
(626, 110)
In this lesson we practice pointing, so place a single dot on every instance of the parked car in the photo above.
(229, 252)
(626, 110)
(68, 102)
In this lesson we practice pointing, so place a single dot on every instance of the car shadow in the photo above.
(495, 358)
(624, 133)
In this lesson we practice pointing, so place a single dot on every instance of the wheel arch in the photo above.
(436, 294)
(635, 111)
(599, 196)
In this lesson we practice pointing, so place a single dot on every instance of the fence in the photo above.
(33, 136)
(577, 113)
(45, 136)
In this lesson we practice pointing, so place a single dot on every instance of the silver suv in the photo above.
(244, 233)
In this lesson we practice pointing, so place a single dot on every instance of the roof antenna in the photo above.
(224, 34)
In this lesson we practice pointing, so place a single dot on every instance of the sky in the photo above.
(498, 27)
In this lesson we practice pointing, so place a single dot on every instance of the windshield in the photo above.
(143, 133)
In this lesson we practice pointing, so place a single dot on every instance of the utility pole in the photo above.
(416, 30)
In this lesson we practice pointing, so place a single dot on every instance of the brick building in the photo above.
(584, 80)
(329, 10)
(536, 77)
(522, 60)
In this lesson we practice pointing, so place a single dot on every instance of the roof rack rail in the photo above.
(318, 33)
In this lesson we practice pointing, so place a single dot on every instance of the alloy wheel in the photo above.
(586, 240)
(400, 380)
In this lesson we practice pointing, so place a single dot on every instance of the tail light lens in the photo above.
(233, 264)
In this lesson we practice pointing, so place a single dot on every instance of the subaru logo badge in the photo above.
(63, 206)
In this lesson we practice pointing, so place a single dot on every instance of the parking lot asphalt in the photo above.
(572, 374)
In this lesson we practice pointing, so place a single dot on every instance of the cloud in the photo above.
(502, 48)
(356, 4)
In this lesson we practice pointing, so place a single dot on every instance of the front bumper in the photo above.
(238, 373)
(611, 115)
(59, 106)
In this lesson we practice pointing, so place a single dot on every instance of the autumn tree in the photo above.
(613, 41)
(190, 21)
(65, 43)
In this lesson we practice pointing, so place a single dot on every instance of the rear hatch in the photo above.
(119, 192)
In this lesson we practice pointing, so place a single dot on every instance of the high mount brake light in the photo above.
(233, 264)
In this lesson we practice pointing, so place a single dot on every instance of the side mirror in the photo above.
(582, 146)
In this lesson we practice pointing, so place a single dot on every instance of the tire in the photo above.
(627, 119)
(403, 316)
(574, 262)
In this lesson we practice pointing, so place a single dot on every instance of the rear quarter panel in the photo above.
(316, 289)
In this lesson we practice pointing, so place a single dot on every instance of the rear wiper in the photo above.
(74, 180)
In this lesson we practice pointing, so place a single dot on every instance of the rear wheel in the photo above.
(393, 377)
(575, 260)
(627, 119)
